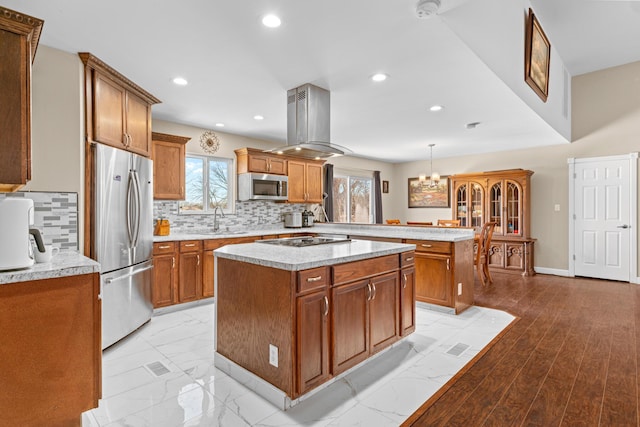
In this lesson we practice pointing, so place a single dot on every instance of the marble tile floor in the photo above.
(192, 392)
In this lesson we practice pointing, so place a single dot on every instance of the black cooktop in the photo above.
(301, 242)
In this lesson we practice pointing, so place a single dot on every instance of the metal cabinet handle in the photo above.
(326, 306)
(173, 262)
(314, 279)
(424, 245)
(448, 263)
(369, 290)
(164, 247)
(189, 245)
(198, 257)
(405, 281)
(409, 258)
(375, 291)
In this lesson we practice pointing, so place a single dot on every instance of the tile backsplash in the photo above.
(55, 215)
(250, 215)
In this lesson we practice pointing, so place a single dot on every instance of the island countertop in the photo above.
(296, 259)
(65, 263)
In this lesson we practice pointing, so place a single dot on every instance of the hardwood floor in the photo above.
(570, 359)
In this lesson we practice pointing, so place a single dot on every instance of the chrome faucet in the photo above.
(216, 226)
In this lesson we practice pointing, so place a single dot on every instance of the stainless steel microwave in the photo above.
(262, 186)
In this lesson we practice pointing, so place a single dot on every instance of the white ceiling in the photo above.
(238, 68)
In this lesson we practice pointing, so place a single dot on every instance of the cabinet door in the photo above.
(258, 163)
(108, 111)
(208, 274)
(138, 124)
(407, 302)
(168, 170)
(384, 311)
(296, 181)
(163, 280)
(15, 109)
(433, 279)
(312, 340)
(313, 182)
(277, 166)
(190, 283)
(350, 325)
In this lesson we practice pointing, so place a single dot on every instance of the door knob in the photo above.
(624, 226)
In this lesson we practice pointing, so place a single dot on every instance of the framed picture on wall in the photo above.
(424, 194)
(537, 53)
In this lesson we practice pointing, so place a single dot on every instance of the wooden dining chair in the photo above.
(449, 222)
(482, 254)
(393, 221)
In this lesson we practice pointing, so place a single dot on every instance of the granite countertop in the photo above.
(446, 234)
(295, 258)
(65, 263)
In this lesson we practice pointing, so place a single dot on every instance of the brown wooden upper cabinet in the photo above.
(19, 36)
(305, 181)
(118, 112)
(168, 166)
(255, 160)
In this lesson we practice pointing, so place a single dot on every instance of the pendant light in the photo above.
(434, 178)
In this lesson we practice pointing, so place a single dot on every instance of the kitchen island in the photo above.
(50, 344)
(291, 319)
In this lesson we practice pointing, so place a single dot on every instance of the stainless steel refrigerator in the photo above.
(123, 239)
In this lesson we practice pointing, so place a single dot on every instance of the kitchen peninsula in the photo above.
(291, 317)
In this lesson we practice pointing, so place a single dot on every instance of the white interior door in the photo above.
(602, 226)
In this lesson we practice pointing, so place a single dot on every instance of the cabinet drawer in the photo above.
(160, 248)
(315, 278)
(431, 246)
(407, 258)
(351, 271)
(190, 245)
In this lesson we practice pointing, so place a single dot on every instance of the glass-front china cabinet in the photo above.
(502, 197)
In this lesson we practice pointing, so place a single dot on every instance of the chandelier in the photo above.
(434, 177)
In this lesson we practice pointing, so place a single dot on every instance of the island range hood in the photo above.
(308, 123)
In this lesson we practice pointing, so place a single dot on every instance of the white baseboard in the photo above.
(552, 271)
(635, 280)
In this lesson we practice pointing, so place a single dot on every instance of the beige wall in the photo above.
(57, 135)
(606, 121)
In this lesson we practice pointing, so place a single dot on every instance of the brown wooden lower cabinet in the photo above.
(190, 271)
(50, 350)
(444, 273)
(407, 300)
(164, 274)
(336, 317)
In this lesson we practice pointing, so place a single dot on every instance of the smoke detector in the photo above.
(427, 8)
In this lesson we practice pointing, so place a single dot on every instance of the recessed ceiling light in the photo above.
(436, 108)
(271, 21)
(258, 117)
(380, 77)
(220, 125)
(180, 81)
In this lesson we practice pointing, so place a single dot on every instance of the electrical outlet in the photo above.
(459, 288)
(273, 355)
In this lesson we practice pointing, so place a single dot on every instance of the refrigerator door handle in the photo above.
(129, 213)
(138, 208)
(133, 273)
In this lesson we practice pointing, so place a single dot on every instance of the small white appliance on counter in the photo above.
(16, 215)
(293, 220)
